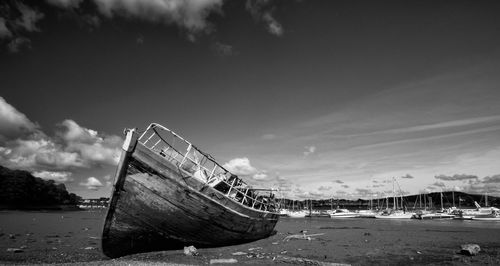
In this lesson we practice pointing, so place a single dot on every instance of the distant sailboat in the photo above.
(395, 213)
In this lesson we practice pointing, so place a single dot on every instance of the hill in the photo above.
(21, 190)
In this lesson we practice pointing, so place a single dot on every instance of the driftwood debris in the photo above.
(303, 261)
(220, 261)
(301, 237)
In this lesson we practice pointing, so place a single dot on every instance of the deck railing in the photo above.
(197, 164)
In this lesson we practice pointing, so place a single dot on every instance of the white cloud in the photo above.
(309, 150)
(13, 123)
(92, 183)
(260, 176)
(40, 153)
(240, 166)
(28, 19)
(24, 146)
(4, 31)
(262, 10)
(89, 144)
(60, 177)
(16, 44)
(190, 15)
(223, 49)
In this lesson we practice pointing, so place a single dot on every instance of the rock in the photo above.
(470, 249)
(367, 234)
(190, 251)
(12, 236)
(213, 261)
(89, 248)
(23, 247)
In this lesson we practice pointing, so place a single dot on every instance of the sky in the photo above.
(318, 99)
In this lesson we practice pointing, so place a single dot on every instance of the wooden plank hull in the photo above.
(156, 207)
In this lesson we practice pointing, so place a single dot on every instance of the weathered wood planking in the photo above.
(156, 207)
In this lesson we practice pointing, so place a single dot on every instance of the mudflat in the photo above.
(74, 237)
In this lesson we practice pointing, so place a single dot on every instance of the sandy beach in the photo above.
(74, 237)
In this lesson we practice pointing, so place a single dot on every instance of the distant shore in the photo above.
(55, 207)
(74, 237)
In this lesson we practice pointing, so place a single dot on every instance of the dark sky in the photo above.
(302, 93)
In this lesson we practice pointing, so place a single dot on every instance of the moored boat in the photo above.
(318, 214)
(168, 194)
(493, 216)
(344, 213)
(367, 214)
(297, 214)
(394, 214)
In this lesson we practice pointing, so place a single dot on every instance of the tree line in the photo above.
(20, 189)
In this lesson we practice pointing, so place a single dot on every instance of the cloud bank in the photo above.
(455, 177)
(17, 18)
(23, 145)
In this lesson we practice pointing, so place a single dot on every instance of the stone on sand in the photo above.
(190, 251)
(470, 249)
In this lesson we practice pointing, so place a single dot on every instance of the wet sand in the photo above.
(74, 237)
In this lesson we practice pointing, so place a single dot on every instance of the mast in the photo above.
(441, 194)
(453, 196)
(425, 202)
(394, 195)
(420, 200)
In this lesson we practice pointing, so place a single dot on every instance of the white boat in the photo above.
(493, 216)
(344, 213)
(480, 213)
(297, 214)
(435, 215)
(367, 214)
(284, 212)
(426, 215)
(394, 214)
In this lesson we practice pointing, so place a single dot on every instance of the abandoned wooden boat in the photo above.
(168, 194)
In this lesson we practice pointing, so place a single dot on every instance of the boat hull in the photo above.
(433, 216)
(156, 207)
(486, 219)
(401, 216)
(354, 215)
